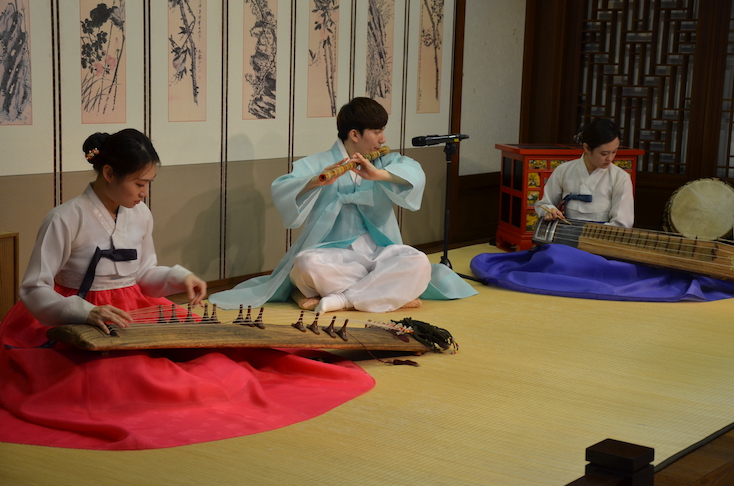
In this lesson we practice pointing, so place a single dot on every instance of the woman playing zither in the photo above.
(591, 188)
(94, 262)
(94, 257)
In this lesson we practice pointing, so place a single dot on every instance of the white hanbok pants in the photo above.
(382, 281)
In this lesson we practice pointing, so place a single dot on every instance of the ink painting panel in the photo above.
(323, 58)
(103, 70)
(187, 54)
(260, 42)
(430, 56)
(15, 64)
(380, 52)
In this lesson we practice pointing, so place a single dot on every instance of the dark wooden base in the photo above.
(711, 465)
(616, 463)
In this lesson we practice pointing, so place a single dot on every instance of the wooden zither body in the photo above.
(709, 258)
(243, 332)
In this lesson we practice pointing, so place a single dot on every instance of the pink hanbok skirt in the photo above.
(126, 400)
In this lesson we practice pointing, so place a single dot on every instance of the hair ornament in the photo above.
(579, 137)
(92, 153)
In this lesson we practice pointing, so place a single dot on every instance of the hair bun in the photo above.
(93, 144)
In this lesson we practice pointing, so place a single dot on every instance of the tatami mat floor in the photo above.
(536, 381)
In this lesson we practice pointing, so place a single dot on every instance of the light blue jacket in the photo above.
(334, 216)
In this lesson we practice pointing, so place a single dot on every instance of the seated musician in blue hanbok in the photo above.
(350, 252)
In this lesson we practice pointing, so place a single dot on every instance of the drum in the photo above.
(702, 209)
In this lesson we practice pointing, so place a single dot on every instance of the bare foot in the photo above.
(309, 303)
(306, 303)
(413, 304)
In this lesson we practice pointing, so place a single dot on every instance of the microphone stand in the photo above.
(450, 149)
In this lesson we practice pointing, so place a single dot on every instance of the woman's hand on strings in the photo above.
(195, 288)
(103, 314)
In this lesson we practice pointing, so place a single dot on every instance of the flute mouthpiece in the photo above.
(377, 153)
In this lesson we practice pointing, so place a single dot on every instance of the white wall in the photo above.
(490, 107)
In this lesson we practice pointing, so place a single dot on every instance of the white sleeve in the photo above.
(552, 193)
(52, 250)
(622, 212)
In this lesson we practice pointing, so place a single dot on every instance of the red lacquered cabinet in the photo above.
(524, 171)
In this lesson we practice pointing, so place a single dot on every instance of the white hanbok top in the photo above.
(66, 242)
(611, 190)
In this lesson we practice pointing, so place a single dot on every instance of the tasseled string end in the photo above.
(433, 337)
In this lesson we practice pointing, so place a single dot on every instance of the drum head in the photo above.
(702, 209)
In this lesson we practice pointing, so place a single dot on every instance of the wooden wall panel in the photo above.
(9, 274)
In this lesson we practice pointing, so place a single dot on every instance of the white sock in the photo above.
(332, 302)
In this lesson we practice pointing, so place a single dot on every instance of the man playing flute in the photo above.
(350, 252)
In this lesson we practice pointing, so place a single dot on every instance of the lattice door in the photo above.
(637, 68)
(725, 159)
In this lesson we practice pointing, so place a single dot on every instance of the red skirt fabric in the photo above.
(127, 400)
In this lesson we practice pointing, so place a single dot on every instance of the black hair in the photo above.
(127, 151)
(597, 133)
(360, 114)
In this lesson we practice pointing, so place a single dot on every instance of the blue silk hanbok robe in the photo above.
(334, 216)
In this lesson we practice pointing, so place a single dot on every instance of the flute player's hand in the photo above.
(317, 182)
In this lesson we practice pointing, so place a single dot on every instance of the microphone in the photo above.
(436, 139)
